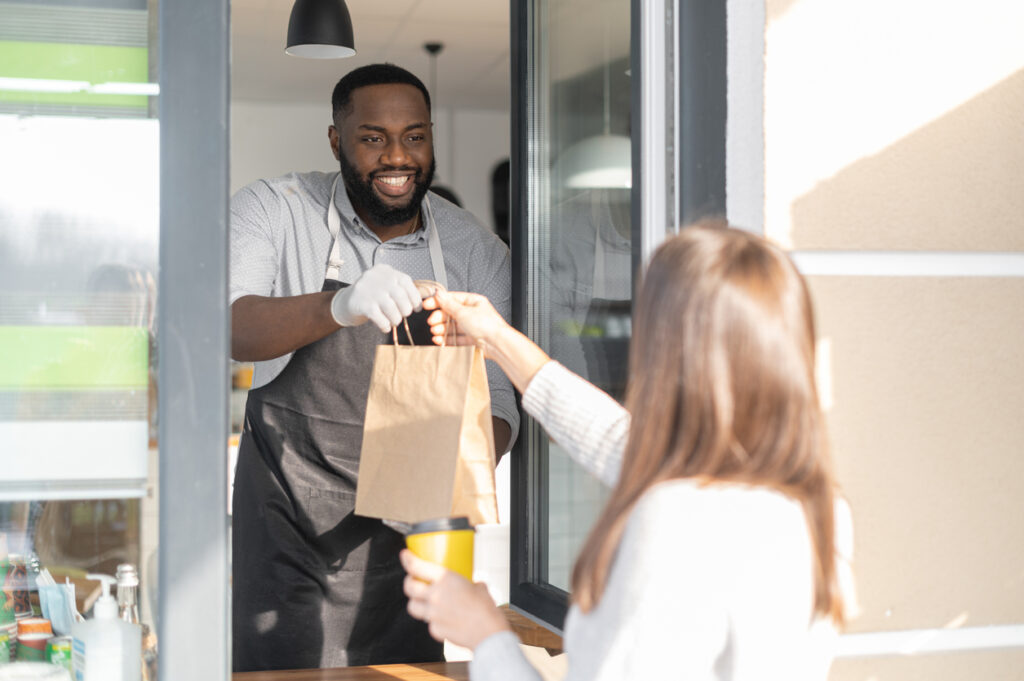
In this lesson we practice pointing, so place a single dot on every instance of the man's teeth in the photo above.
(394, 181)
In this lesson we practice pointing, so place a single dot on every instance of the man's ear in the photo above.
(335, 139)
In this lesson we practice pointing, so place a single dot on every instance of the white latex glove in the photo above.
(382, 295)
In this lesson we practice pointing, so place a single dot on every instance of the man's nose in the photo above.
(394, 154)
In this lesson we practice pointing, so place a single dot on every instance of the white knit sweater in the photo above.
(710, 582)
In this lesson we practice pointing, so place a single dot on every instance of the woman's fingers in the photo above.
(419, 568)
(472, 315)
(415, 588)
(443, 336)
(437, 318)
(419, 583)
(442, 326)
(418, 592)
(453, 607)
(454, 302)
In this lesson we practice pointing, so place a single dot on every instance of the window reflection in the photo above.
(68, 538)
(591, 286)
(581, 178)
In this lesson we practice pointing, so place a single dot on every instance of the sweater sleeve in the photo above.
(498, 658)
(580, 417)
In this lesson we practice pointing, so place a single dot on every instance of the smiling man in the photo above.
(322, 266)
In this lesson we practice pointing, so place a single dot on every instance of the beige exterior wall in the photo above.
(894, 124)
(898, 125)
(966, 666)
(926, 381)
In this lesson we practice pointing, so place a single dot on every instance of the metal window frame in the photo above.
(529, 593)
(193, 341)
(670, 181)
(654, 44)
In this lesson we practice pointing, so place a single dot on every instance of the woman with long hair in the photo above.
(716, 554)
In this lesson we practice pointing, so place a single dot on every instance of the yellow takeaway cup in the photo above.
(445, 541)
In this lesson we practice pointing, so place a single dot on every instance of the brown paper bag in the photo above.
(428, 443)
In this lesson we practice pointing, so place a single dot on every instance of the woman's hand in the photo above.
(478, 323)
(476, 320)
(453, 607)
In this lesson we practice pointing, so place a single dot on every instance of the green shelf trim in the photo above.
(73, 357)
(94, 64)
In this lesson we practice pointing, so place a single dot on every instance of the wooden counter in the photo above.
(529, 632)
(428, 671)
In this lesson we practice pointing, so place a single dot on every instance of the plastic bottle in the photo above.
(106, 648)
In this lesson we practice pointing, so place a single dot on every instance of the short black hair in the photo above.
(372, 74)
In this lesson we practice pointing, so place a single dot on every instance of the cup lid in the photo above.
(441, 525)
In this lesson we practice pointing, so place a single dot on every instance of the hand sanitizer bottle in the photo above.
(106, 648)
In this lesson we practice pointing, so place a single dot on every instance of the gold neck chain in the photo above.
(416, 222)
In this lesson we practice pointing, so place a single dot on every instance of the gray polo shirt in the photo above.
(280, 245)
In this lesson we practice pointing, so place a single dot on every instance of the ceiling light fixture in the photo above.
(602, 161)
(320, 29)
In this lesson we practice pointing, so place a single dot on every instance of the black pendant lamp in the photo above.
(320, 29)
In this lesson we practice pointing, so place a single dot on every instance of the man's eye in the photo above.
(416, 138)
(373, 140)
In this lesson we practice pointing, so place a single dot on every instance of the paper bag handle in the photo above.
(426, 288)
(408, 333)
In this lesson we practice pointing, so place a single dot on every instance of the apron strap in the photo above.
(334, 261)
(434, 243)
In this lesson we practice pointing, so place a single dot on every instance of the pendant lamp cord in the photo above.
(433, 74)
(607, 82)
(433, 49)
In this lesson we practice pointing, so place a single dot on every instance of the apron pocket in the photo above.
(344, 541)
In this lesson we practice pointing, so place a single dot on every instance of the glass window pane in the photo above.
(79, 235)
(580, 262)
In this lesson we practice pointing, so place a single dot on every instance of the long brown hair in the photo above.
(721, 390)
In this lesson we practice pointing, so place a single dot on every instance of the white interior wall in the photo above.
(273, 139)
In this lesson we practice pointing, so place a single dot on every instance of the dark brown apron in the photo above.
(315, 585)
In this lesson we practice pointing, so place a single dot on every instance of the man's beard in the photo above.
(360, 190)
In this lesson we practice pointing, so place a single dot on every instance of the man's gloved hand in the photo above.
(382, 295)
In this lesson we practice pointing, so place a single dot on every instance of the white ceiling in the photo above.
(472, 69)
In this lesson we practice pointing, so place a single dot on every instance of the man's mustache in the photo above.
(379, 171)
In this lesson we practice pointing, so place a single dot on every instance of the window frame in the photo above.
(194, 341)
